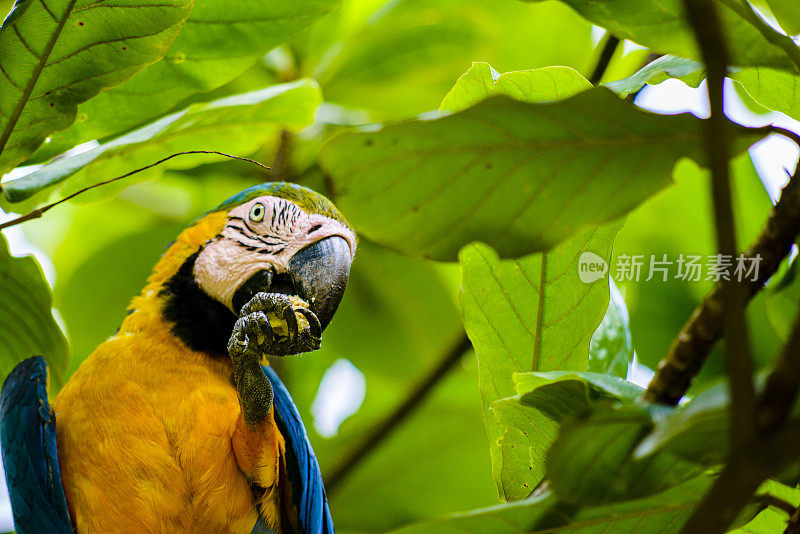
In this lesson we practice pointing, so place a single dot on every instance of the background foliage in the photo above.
(525, 165)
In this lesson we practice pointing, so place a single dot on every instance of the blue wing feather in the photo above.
(30, 459)
(308, 491)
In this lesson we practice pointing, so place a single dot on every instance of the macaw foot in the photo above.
(267, 324)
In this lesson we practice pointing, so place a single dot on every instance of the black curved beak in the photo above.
(319, 273)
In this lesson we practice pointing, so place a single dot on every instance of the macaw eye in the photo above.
(257, 212)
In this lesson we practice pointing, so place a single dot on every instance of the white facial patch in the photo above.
(263, 233)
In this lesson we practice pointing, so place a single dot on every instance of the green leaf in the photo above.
(590, 462)
(697, 432)
(530, 314)
(219, 41)
(659, 70)
(520, 177)
(771, 519)
(772, 88)
(768, 521)
(563, 394)
(611, 349)
(59, 53)
(788, 14)
(538, 85)
(519, 437)
(236, 125)
(663, 513)
(26, 318)
(530, 420)
(663, 27)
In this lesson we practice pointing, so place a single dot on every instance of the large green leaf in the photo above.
(220, 40)
(520, 177)
(663, 27)
(530, 314)
(59, 53)
(237, 125)
(27, 326)
(663, 513)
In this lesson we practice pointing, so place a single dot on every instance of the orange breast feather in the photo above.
(145, 430)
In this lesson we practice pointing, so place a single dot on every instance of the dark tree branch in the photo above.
(38, 212)
(606, 54)
(704, 328)
(396, 418)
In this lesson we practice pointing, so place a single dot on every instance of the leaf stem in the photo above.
(38, 212)
(537, 340)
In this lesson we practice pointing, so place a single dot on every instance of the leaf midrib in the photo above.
(34, 79)
(537, 340)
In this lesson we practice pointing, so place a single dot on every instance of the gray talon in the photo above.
(254, 325)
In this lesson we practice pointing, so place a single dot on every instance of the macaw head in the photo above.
(272, 238)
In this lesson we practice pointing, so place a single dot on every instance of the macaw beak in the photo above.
(319, 273)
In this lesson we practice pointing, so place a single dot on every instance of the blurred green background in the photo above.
(380, 60)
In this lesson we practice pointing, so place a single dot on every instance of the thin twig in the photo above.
(701, 332)
(38, 212)
(767, 499)
(603, 61)
(403, 410)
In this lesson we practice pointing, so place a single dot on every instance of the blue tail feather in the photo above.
(304, 473)
(30, 458)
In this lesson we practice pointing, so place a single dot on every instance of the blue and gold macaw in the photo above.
(176, 423)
